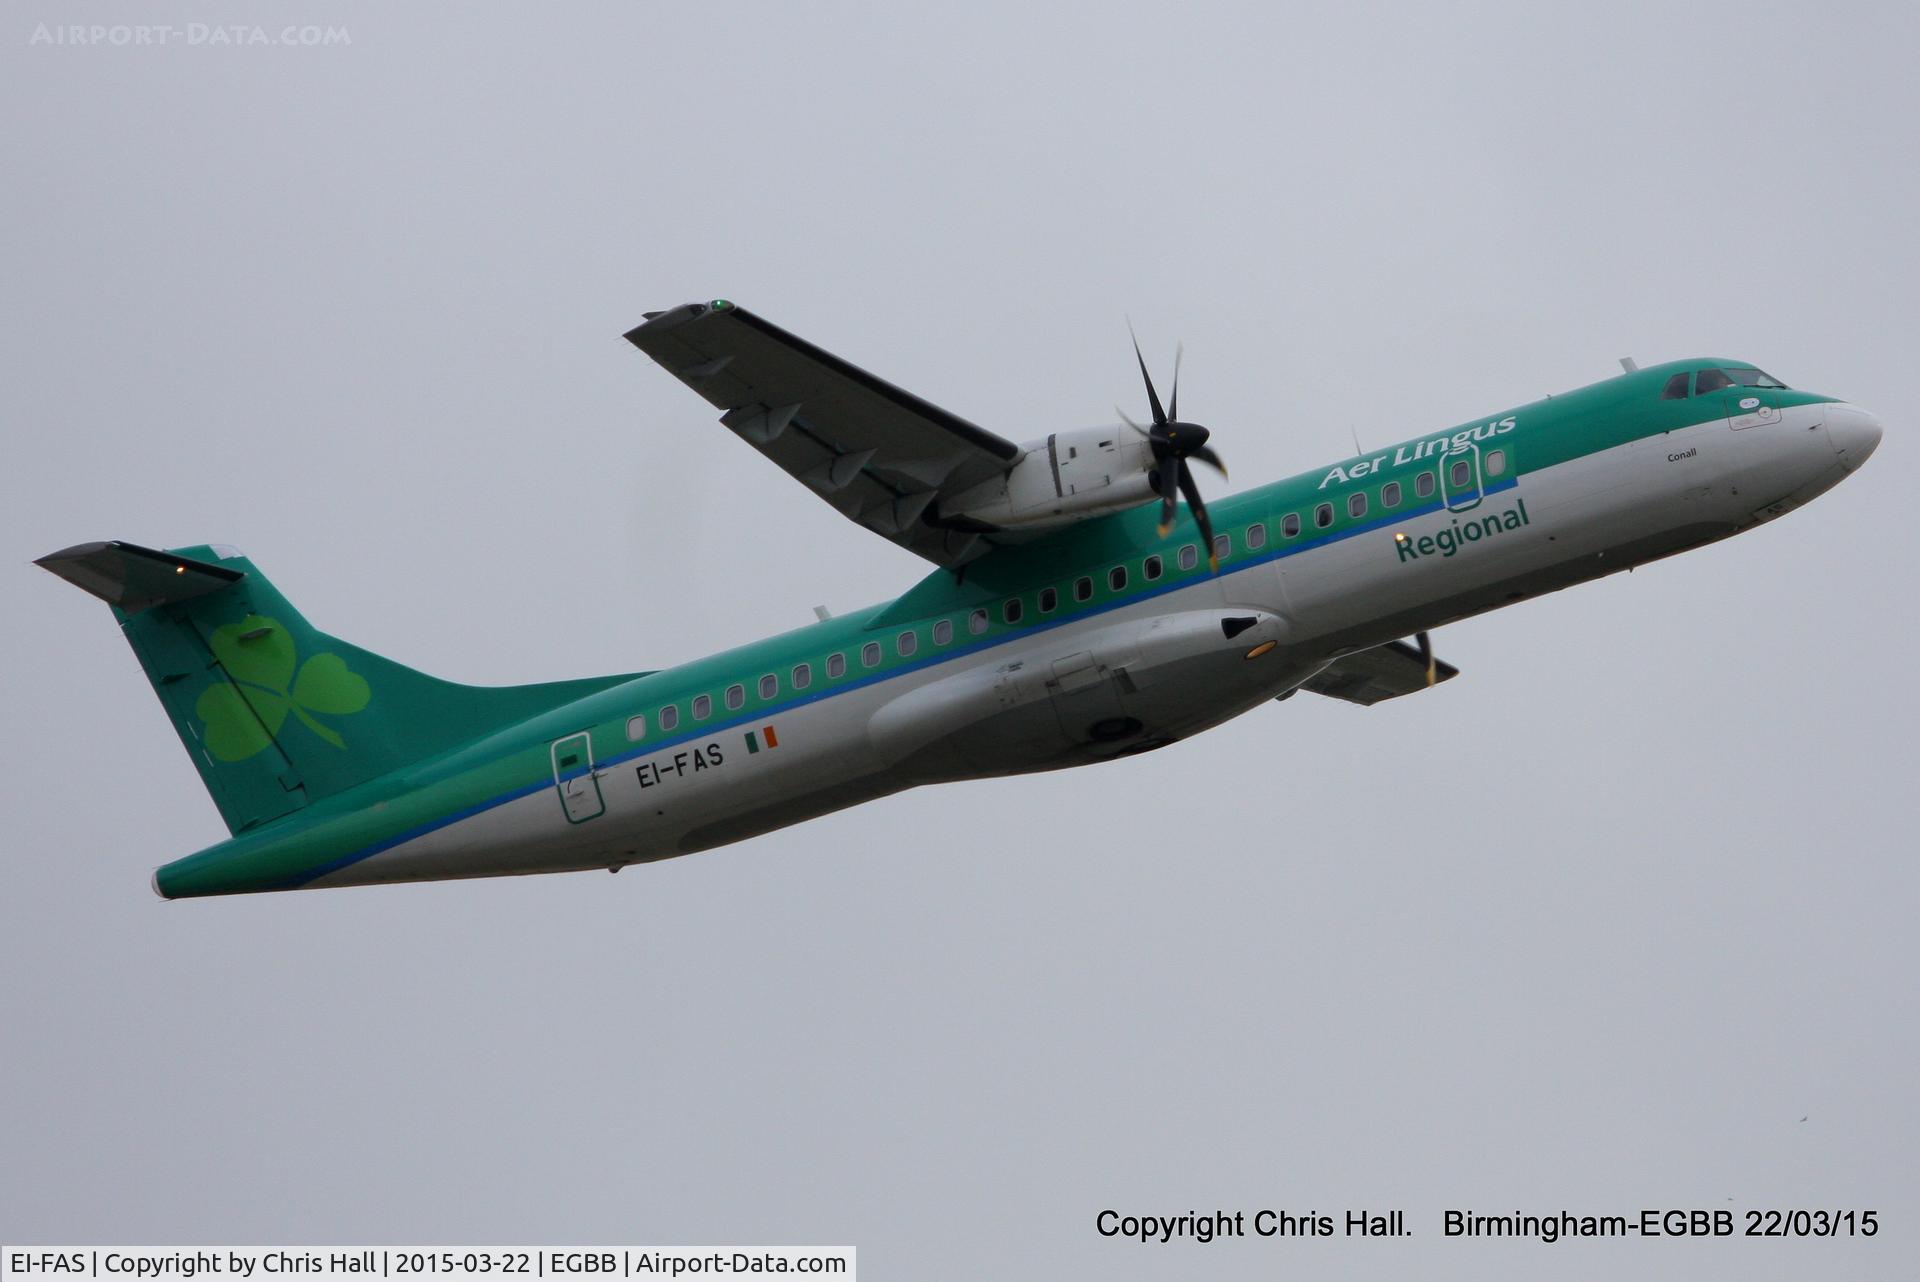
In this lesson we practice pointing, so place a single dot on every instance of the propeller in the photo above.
(1173, 443)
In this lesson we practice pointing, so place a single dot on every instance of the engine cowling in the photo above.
(1062, 479)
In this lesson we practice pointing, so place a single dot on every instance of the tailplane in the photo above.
(275, 713)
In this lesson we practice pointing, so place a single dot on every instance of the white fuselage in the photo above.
(1153, 670)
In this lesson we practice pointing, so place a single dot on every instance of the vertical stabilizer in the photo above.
(275, 713)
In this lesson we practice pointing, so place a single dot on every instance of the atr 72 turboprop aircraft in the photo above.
(1072, 617)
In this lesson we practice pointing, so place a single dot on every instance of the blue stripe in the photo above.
(1292, 547)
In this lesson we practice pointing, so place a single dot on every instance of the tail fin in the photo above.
(275, 713)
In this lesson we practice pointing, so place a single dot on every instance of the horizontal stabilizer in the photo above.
(132, 578)
(1384, 672)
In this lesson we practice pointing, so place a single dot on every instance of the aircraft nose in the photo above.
(1854, 432)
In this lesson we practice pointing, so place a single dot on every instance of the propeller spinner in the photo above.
(1173, 443)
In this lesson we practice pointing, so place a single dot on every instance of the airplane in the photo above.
(1074, 615)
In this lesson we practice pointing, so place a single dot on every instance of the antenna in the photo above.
(1356, 440)
(1629, 364)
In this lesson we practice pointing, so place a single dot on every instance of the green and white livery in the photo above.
(1069, 618)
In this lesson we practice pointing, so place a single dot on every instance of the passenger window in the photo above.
(702, 707)
(977, 622)
(636, 729)
(802, 675)
(836, 666)
(1497, 463)
(1290, 525)
(1390, 494)
(1152, 569)
(1710, 380)
(669, 716)
(1117, 578)
(1189, 557)
(1460, 474)
(870, 654)
(1222, 544)
(1049, 598)
(943, 632)
(769, 686)
(906, 643)
(1012, 610)
(1323, 515)
(1676, 388)
(1083, 589)
(1256, 537)
(736, 695)
(1423, 485)
(1356, 504)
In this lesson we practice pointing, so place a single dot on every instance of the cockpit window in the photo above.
(1754, 378)
(1676, 388)
(1710, 380)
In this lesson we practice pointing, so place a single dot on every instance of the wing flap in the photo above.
(1385, 672)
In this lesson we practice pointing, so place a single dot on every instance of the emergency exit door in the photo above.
(575, 779)
(1461, 483)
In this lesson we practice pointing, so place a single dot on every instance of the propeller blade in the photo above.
(1169, 488)
(1206, 455)
(1173, 401)
(1199, 509)
(1153, 397)
(1130, 423)
(1426, 656)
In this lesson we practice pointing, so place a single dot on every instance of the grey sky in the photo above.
(1591, 928)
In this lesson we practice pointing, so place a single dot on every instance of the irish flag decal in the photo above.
(763, 735)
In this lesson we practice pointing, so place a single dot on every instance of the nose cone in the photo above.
(1855, 434)
(1186, 437)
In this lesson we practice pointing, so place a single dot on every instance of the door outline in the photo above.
(1462, 501)
(1084, 694)
(1749, 407)
(578, 785)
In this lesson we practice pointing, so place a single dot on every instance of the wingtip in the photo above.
(668, 318)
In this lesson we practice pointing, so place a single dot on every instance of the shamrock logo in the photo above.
(245, 716)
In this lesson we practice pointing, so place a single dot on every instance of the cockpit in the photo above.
(1699, 382)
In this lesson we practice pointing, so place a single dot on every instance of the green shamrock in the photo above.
(244, 716)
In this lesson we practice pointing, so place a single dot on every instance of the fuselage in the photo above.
(1103, 639)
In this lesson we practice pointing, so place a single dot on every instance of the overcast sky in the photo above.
(1592, 928)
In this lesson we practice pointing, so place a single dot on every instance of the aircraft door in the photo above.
(575, 778)
(1461, 483)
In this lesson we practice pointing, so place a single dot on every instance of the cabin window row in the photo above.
(907, 643)
(1459, 477)
(1013, 609)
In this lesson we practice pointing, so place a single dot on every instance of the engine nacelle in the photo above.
(1068, 476)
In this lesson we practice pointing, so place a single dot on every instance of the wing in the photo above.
(880, 455)
(1384, 672)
